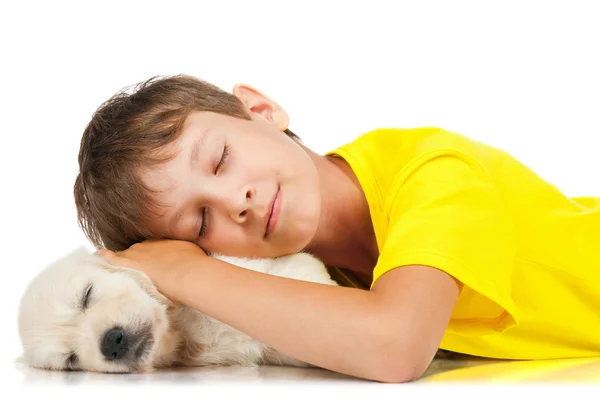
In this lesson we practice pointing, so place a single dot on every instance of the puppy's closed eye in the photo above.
(72, 362)
(86, 296)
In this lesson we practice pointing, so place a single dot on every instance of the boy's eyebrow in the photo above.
(196, 147)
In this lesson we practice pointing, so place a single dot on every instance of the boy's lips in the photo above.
(273, 213)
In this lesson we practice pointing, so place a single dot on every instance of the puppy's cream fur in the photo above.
(54, 325)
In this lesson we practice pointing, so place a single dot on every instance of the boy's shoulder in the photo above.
(403, 144)
(383, 158)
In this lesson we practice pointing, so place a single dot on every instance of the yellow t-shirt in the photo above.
(528, 256)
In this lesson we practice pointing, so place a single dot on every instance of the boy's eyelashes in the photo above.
(224, 156)
(204, 223)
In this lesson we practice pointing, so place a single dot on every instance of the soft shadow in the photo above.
(213, 374)
(464, 368)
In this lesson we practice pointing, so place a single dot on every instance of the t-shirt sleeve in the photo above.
(447, 214)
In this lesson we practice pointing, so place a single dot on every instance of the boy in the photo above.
(463, 247)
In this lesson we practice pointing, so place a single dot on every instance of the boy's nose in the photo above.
(241, 217)
(239, 204)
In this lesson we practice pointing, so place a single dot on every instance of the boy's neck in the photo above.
(345, 237)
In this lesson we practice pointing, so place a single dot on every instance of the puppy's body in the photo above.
(82, 313)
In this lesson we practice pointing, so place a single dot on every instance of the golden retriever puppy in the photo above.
(83, 313)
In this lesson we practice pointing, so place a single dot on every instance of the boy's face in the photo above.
(261, 164)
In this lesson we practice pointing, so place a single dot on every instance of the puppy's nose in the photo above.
(114, 344)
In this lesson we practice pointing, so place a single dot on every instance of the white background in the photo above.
(520, 75)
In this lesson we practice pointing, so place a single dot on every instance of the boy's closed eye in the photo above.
(219, 167)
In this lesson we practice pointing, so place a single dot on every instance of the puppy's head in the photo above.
(82, 313)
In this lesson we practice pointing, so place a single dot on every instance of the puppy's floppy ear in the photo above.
(140, 277)
(148, 286)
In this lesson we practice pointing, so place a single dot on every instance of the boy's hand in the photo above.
(165, 261)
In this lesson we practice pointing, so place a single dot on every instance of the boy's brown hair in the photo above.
(134, 128)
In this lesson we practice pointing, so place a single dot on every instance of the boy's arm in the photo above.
(388, 334)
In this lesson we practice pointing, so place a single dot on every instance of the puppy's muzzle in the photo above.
(121, 345)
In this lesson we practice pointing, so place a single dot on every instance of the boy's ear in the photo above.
(260, 104)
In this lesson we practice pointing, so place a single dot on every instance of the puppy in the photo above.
(81, 313)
